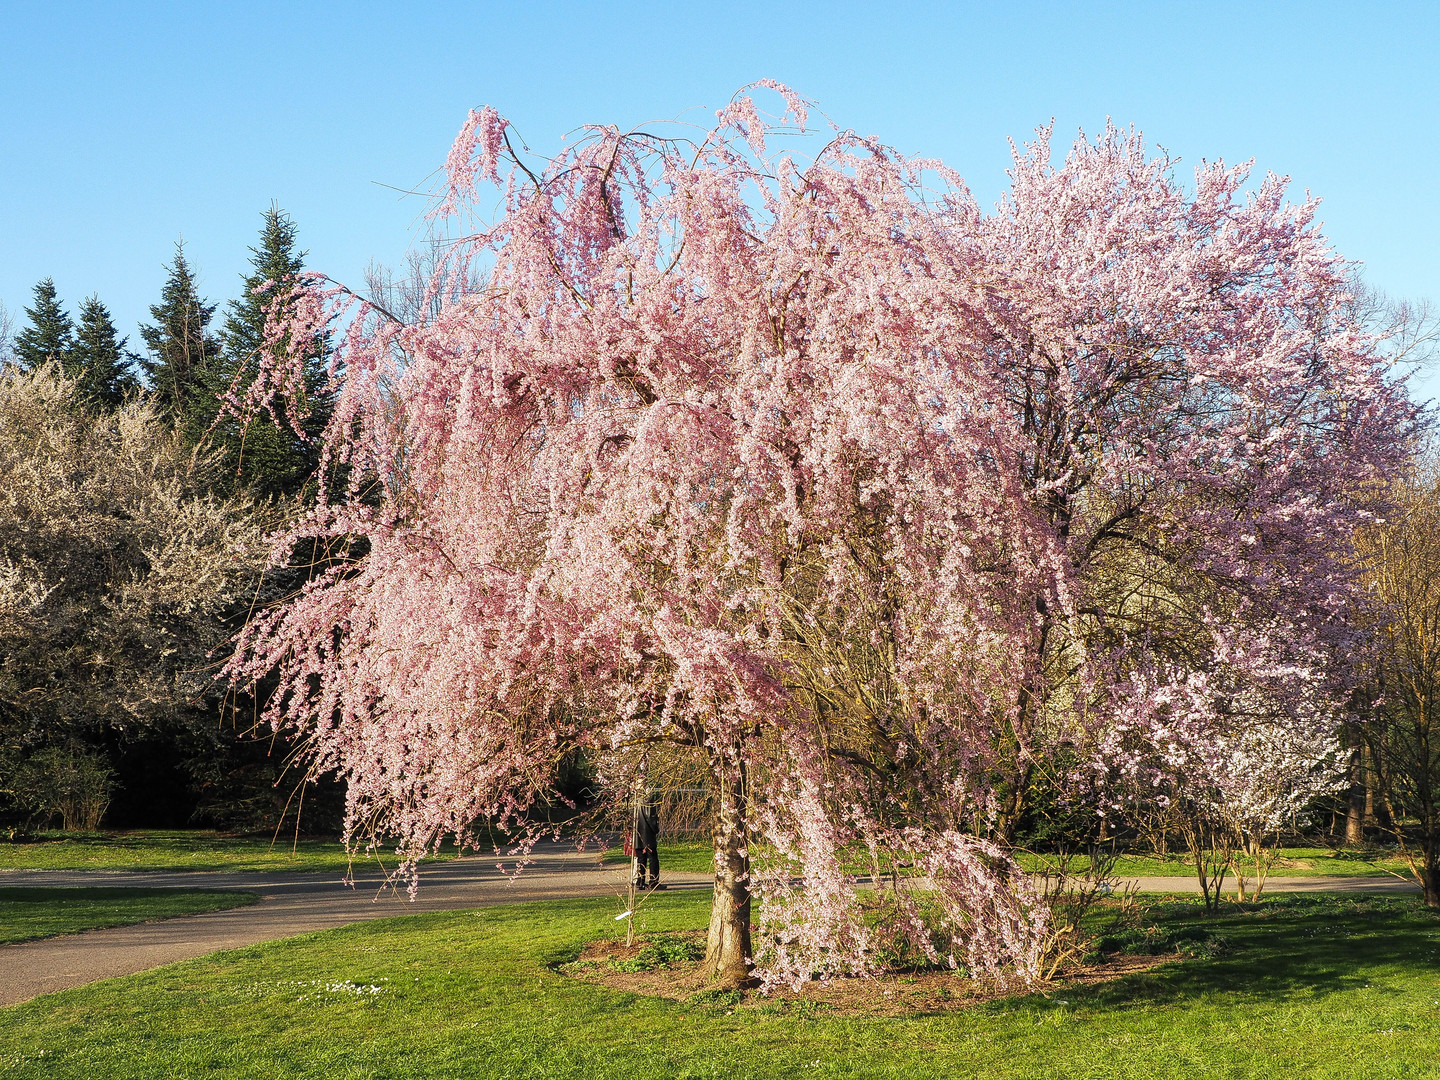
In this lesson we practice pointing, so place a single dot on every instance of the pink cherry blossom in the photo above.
(865, 497)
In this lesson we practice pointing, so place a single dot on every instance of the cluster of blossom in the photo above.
(316, 989)
(1244, 736)
(858, 491)
(119, 567)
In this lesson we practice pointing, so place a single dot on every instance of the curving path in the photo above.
(304, 903)
(291, 904)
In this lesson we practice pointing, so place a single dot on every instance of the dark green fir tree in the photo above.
(50, 334)
(269, 457)
(99, 361)
(182, 350)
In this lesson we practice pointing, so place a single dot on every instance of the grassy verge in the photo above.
(1289, 862)
(696, 857)
(684, 856)
(1309, 986)
(27, 914)
(175, 850)
(201, 850)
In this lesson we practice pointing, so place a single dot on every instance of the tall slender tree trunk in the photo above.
(1429, 838)
(1430, 873)
(1355, 814)
(1367, 765)
(728, 952)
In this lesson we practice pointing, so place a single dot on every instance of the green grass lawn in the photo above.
(194, 849)
(1311, 986)
(27, 914)
(685, 856)
(176, 849)
(696, 856)
(1290, 862)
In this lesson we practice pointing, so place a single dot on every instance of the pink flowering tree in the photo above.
(1205, 424)
(860, 496)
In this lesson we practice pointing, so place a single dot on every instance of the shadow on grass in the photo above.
(1283, 949)
(1289, 947)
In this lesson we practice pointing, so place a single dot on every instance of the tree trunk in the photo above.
(1430, 870)
(728, 953)
(1210, 864)
(1355, 817)
(1368, 766)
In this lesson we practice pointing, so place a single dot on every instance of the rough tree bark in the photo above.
(728, 955)
(1355, 810)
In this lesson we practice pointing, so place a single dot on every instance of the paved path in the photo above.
(302, 903)
(291, 904)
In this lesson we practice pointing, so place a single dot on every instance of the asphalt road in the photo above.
(302, 903)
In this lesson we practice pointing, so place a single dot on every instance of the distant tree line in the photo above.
(132, 546)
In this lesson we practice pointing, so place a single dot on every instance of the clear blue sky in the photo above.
(124, 126)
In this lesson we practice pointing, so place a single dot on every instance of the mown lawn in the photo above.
(27, 913)
(1311, 986)
(1289, 862)
(686, 856)
(177, 849)
(200, 850)
(697, 856)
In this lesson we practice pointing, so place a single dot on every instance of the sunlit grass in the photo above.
(1312, 986)
(179, 850)
(1288, 862)
(28, 913)
(684, 856)
(694, 856)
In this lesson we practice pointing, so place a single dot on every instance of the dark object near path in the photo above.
(291, 904)
(305, 903)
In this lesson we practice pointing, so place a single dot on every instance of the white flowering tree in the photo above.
(118, 571)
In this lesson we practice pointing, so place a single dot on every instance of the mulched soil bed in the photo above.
(886, 995)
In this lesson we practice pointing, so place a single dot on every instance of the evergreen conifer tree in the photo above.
(181, 350)
(50, 333)
(98, 360)
(267, 456)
